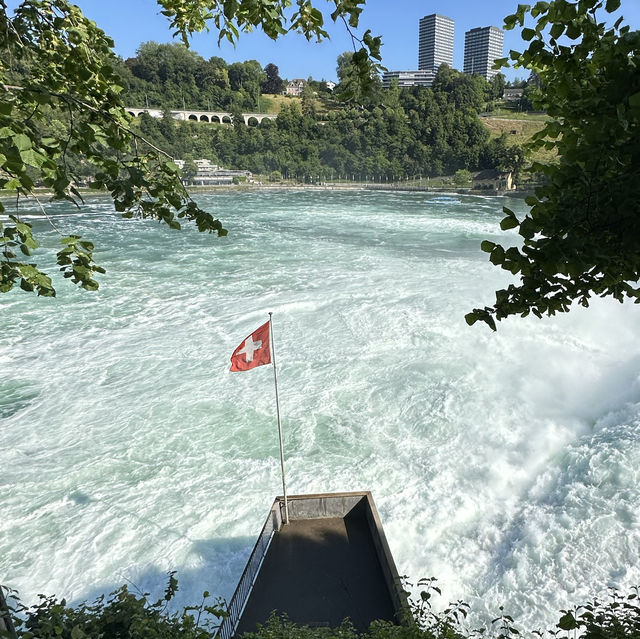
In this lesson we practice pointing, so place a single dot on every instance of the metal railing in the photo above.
(241, 595)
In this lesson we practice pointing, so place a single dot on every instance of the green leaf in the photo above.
(90, 285)
(612, 5)
(21, 141)
(509, 222)
(12, 184)
(171, 167)
(69, 239)
(25, 285)
(77, 633)
(32, 158)
(567, 622)
(556, 30)
(573, 31)
(497, 255)
(527, 228)
(510, 22)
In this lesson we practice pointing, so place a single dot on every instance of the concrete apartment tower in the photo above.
(482, 46)
(435, 43)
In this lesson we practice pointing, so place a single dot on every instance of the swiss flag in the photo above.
(254, 351)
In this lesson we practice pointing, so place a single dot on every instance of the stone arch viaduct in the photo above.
(213, 117)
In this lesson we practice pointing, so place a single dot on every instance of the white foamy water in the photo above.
(504, 464)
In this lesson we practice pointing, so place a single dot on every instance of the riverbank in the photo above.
(358, 186)
(290, 186)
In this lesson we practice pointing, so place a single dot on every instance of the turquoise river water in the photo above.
(505, 464)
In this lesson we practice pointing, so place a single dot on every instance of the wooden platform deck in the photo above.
(330, 563)
(320, 572)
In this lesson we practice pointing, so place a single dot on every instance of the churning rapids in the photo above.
(507, 465)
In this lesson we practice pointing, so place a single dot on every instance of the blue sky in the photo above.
(130, 22)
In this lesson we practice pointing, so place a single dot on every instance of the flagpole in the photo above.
(275, 380)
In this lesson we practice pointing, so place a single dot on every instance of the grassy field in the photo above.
(272, 103)
(510, 114)
(518, 127)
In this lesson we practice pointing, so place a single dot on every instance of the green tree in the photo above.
(462, 177)
(213, 73)
(581, 236)
(496, 86)
(190, 168)
(504, 157)
(465, 91)
(273, 83)
(531, 88)
(309, 101)
(247, 77)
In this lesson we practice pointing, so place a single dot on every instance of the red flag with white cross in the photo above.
(254, 351)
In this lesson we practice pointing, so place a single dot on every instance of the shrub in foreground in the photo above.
(119, 615)
(125, 615)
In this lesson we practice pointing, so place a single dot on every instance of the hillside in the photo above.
(518, 129)
(272, 103)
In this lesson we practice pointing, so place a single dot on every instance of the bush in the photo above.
(462, 177)
(121, 614)
(124, 615)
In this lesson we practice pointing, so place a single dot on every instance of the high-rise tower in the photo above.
(435, 45)
(482, 46)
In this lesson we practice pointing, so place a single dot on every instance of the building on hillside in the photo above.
(493, 180)
(408, 78)
(330, 85)
(435, 47)
(512, 95)
(296, 87)
(482, 46)
(435, 42)
(210, 174)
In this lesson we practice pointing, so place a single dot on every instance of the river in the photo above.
(505, 464)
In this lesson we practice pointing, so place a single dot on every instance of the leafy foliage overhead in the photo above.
(64, 65)
(581, 236)
(120, 614)
(231, 17)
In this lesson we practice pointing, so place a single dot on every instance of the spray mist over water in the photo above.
(503, 464)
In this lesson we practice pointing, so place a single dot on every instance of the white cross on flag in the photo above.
(254, 351)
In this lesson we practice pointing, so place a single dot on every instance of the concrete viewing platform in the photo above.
(330, 563)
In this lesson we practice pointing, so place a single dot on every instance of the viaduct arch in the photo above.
(212, 117)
